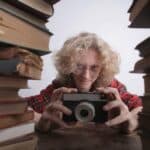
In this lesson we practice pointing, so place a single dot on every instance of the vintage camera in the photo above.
(86, 107)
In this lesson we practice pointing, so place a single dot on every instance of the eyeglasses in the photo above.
(80, 68)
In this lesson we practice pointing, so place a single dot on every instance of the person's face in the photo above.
(87, 70)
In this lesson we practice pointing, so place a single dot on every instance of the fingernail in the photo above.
(105, 107)
(107, 123)
(70, 112)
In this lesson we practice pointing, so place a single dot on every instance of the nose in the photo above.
(86, 73)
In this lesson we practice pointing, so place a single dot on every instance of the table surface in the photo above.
(88, 138)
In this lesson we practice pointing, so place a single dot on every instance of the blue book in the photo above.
(8, 66)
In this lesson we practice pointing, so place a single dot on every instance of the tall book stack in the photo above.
(140, 18)
(24, 38)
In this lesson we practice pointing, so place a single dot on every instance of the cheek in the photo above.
(95, 76)
(75, 77)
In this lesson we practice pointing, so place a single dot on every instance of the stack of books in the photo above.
(24, 38)
(140, 18)
(143, 66)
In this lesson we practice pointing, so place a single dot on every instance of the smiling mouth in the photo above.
(83, 84)
(85, 81)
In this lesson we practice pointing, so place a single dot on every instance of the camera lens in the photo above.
(84, 112)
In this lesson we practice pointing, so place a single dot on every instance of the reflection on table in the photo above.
(88, 138)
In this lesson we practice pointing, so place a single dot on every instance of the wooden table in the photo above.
(88, 138)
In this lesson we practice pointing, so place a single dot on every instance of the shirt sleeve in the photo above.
(39, 102)
(131, 100)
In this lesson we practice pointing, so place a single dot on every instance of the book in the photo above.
(146, 103)
(7, 94)
(139, 14)
(13, 82)
(16, 131)
(29, 58)
(142, 65)
(144, 47)
(3, 44)
(38, 8)
(29, 71)
(24, 15)
(11, 107)
(147, 83)
(26, 35)
(15, 66)
(8, 52)
(144, 121)
(8, 66)
(28, 142)
(52, 2)
(12, 120)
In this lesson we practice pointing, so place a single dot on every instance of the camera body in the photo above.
(86, 107)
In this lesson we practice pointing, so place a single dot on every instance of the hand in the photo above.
(52, 115)
(118, 112)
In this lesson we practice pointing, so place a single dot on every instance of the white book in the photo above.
(16, 131)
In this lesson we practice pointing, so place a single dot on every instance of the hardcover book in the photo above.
(144, 47)
(147, 83)
(146, 103)
(16, 131)
(23, 15)
(18, 32)
(9, 94)
(12, 120)
(27, 142)
(139, 14)
(12, 107)
(142, 65)
(38, 8)
(13, 82)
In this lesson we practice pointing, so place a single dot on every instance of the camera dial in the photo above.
(84, 112)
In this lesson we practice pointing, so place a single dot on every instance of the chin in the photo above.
(84, 89)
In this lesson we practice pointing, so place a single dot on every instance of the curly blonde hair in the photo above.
(66, 56)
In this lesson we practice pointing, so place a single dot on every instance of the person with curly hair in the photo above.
(86, 63)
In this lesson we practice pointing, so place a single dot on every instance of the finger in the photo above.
(69, 90)
(136, 110)
(110, 91)
(57, 121)
(112, 104)
(65, 90)
(117, 120)
(58, 107)
(57, 94)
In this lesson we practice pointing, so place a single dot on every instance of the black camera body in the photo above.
(86, 107)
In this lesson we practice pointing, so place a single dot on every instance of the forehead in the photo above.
(89, 55)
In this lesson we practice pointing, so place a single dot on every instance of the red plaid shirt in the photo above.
(38, 102)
